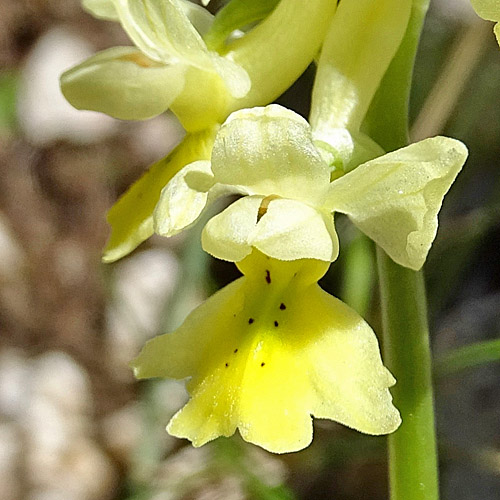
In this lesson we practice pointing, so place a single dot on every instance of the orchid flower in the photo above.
(268, 155)
(172, 67)
(266, 353)
(163, 70)
(490, 10)
(272, 349)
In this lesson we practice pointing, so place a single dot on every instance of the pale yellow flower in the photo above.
(266, 353)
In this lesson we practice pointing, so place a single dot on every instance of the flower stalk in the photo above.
(413, 463)
(413, 468)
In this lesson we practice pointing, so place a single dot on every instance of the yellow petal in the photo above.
(395, 199)
(131, 217)
(227, 235)
(182, 353)
(291, 230)
(266, 353)
(349, 72)
(122, 82)
(162, 30)
(269, 151)
(487, 9)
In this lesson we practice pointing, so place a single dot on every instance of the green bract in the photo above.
(268, 155)
(164, 70)
(266, 353)
(490, 10)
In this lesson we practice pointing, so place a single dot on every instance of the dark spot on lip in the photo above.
(262, 364)
(268, 276)
(282, 306)
(235, 351)
(250, 321)
(276, 323)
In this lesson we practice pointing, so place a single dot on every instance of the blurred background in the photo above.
(74, 424)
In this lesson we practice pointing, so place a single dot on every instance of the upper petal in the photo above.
(124, 83)
(395, 198)
(291, 230)
(164, 30)
(270, 151)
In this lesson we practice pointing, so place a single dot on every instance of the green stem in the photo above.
(413, 464)
(413, 469)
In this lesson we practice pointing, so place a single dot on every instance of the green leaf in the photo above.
(131, 217)
(235, 15)
(468, 357)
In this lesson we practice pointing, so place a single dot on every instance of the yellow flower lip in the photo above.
(267, 352)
